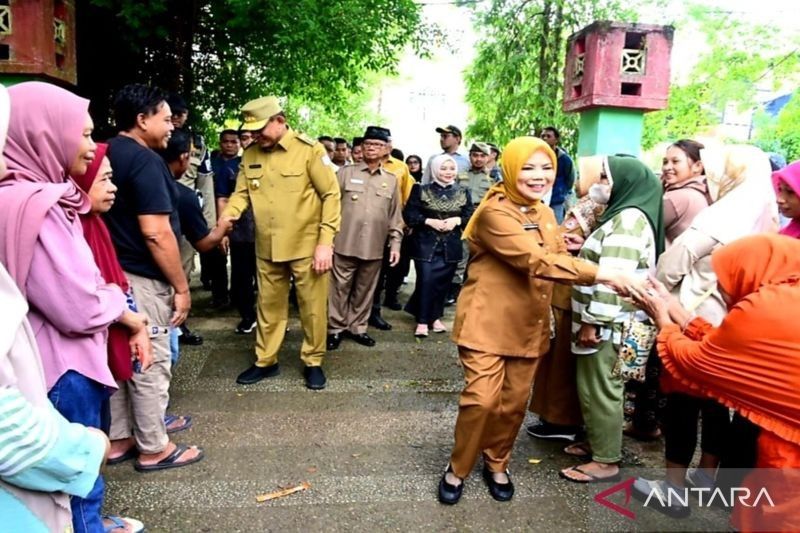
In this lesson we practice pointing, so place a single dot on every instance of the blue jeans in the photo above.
(82, 401)
(174, 345)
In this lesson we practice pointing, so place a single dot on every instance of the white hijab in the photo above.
(739, 182)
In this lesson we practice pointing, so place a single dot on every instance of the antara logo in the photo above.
(705, 497)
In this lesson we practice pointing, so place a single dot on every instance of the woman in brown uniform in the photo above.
(502, 322)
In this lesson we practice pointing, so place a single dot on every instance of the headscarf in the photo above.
(436, 168)
(21, 369)
(515, 155)
(417, 175)
(751, 362)
(43, 137)
(105, 256)
(635, 186)
(743, 201)
(789, 175)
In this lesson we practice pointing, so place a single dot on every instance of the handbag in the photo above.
(637, 340)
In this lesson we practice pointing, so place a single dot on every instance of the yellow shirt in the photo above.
(293, 192)
(405, 182)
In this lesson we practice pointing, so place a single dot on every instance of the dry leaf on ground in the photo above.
(283, 492)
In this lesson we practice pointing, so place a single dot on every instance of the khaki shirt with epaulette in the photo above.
(371, 211)
(294, 195)
(405, 182)
(478, 183)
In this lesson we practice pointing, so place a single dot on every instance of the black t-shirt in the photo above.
(146, 187)
(193, 223)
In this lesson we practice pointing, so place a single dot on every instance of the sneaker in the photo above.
(698, 478)
(661, 501)
(245, 327)
(546, 430)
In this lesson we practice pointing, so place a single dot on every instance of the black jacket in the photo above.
(425, 241)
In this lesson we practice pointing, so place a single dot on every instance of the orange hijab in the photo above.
(751, 362)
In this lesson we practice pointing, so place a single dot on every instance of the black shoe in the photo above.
(334, 340)
(392, 303)
(502, 492)
(361, 338)
(245, 326)
(254, 374)
(377, 321)
(188, 338)
(449, 494)
(546, 430)
(315, 377)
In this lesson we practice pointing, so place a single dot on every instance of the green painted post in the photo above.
(610, 130)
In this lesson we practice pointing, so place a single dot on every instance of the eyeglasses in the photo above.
(375, 144)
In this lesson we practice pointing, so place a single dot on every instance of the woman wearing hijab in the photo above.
(744, 204)
(437, 213)
(749, 363)
(787, 188)
(414, 163)
(630, 236)
(45, 458)
(43, 248)
(502, 323)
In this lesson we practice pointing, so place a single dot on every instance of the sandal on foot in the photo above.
(170, 461)
(592, 477)
(586, 451)
(130, 453)
(629, 430)
(170, 419)
(120, 523)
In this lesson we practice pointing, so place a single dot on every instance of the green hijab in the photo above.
(635, 185)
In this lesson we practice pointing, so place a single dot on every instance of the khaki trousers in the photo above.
(187, 256)
(273, 309)
(555, 389)
(138, 407)
(353, 283)
(205, 186)
(491, 409)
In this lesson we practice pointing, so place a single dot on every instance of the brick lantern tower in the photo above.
(616, 72)
(37, 41)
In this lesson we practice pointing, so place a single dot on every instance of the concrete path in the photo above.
(372, 445)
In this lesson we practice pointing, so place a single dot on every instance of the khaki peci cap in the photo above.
(256, 113)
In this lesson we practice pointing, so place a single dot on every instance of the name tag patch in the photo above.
(356, 181)
(529, 227)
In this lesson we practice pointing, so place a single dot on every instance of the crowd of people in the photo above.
(550, 275)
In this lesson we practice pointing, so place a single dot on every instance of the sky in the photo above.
(430, 92)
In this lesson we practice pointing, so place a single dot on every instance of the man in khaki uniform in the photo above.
(287, 179)
(391, 276)
(371, 212)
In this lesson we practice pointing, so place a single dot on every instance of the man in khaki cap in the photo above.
(288, 180)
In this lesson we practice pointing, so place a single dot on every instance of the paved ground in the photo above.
(372, 445)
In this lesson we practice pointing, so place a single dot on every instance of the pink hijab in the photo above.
(790, 175)
(44, 133)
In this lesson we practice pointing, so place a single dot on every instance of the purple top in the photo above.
(71, 306)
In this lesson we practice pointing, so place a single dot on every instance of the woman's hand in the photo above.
(142, 348)
(435, 223)
(574, 242)
(653, 304)
(624, 283)
(588, 336)
(134, 321)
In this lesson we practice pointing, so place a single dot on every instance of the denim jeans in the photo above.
(174, 345)
(81, 400)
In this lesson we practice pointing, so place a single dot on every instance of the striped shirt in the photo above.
(27, 433)
(626, 242)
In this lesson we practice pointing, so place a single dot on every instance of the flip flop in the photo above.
(130, 453)
(592, 477)
(169, 419)
(170, 461)
(118, 522)
(580, 445)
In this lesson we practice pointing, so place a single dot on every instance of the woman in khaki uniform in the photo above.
(502, 323)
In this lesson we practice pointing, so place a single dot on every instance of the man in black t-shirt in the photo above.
(144, 226)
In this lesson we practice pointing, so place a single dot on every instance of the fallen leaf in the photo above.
(283, 492)
(356, 455)
(311, 469)
(534, 461)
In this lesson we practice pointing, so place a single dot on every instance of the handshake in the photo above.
(225, 224)
(443, 226)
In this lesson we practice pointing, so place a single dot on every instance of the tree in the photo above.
(220, 53)
(515, 83)
(781, 134)
(740, 57)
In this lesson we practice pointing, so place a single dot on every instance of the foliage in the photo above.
(221, 53)
(515, 83)
(782, 134)
(740, 58)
